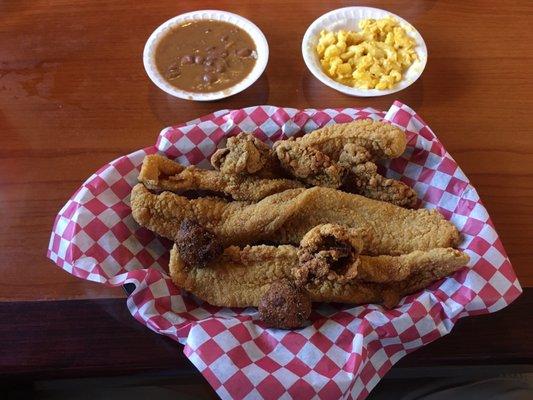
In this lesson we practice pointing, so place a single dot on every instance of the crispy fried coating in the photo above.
(232, 222)
(285, 305)
(245, 154)
(336, 156)
(287, 216)
(329, 251)
(308, 164)
(241, 277)
(196, 245)
(363, 178)
(159, 173)
(381, 139)
(352, 248)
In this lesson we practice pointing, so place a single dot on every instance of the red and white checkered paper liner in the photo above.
(347, 349)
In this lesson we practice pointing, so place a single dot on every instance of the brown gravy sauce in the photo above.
(205, 56)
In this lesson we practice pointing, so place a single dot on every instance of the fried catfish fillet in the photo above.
(327, 264)
(287, 216)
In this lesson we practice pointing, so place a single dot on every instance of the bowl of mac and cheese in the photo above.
(364, 51)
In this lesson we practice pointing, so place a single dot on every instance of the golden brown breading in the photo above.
(381, 139)
(245, 154)
(329, 251)
(159, 173)
(336, 156)
(363, 178)
(240, 277)
(233, 222)
(287, 216)
(309, 165)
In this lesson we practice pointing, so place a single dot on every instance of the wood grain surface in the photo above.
(74, 95)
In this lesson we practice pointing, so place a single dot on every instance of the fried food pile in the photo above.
(340, 156)
(309, 220)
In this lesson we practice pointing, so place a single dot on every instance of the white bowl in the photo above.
(348, 18)
(255, 33)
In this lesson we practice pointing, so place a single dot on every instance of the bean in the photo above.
(173, 73)
(198, 59)
(209, 77)
(220, 65)
(187, 59)
(210, 61)
(244, 52)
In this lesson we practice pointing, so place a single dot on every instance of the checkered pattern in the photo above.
(346, 350)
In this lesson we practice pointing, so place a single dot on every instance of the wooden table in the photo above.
(74, 95)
